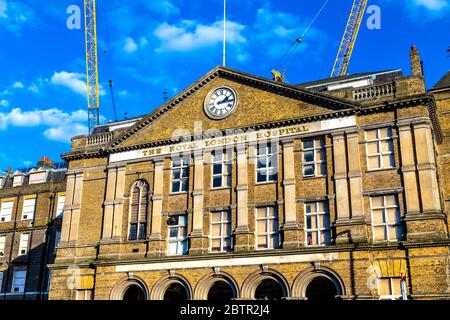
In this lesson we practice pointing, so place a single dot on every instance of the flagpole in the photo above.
(224, 32)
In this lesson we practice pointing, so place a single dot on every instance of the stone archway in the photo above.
(134, 293)
(318, 284)
(321, 289)
(268, 284)
(217, 287)
(172, 288)
(131, 289)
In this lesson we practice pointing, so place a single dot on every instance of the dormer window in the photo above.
(38, 176)
(18, 179)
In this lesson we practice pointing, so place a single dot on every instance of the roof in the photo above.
(378, 75)
(443, 83)
(110, 126)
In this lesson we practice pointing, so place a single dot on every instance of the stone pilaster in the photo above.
(198, 241)
(408, 169)
(429, 224)
(67, 216)
(156, 245)
(341, 187)
(108, 205)
(426, 167)
(118, 204)
(290, 228)
(358, 224)
(76, 207)
(113, 205)
(242, 233)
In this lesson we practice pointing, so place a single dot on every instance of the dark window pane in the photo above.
(176, 186)
(217, 168)
(173, 233)
(185, 185)
(185, 172)
(176, 174)
(308, 222)
(326, 238)
(142, 231)
(133, 232)
(262, 162)
(261, 176)
(308, 171)
(229, 180)
(308, 144)
(308, 156)
(217, 182)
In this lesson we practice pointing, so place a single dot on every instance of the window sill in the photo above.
(314, 177)
(220, 188)
(178, 193)
(381, 170)
(265, 183)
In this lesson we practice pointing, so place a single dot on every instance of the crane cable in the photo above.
(299, 40)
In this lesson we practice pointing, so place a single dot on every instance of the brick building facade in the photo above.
(242, 187)
(31, 204)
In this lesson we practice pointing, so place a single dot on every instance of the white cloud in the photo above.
(3, 8)
(130, 45)
(4, 103)
(18, 84)
(14, 15)
(190, 35)
(164, 7)
(433, 5)
(65, 132)
(74, 81)
(60, 125)
(33, 88)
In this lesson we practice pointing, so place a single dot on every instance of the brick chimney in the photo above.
(416, 63)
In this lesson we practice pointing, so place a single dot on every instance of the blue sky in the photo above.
(147, 46)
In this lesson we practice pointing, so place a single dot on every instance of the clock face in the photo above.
(220, 103)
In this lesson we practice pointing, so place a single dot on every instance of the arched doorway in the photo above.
(321, 289)
(176, 292)
(134, 293)
(269, 289)
(221, 291)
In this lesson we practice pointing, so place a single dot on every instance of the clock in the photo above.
(220, 102)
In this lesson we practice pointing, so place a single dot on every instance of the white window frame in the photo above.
(270, 153)
(14, 285)
(60, 205)
(385, 216)
(24, 244)
(6, 217)
(226, 167)
(391, 289)
(380, 154)
(319, 228)
(180, 240)
(268, 234)
(315, 163)
(183, 167)
(224, 223)
(28, 214)
(2, 246)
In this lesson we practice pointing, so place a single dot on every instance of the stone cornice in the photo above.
(306, 250)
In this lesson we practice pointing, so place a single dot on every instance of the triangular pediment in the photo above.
(259, 101)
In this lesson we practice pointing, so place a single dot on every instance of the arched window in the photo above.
(138, 211)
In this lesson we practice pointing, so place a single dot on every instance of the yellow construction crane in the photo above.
(90, 28)
(348, 40)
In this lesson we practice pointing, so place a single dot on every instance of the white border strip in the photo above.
(228, 262)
